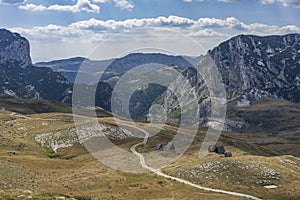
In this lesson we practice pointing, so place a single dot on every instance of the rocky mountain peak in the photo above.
(20, 78)
(257, 66)
(14, 48)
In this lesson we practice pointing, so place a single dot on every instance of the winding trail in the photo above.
(159, 173)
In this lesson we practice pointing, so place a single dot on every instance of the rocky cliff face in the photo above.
(253, 67)
(14, 48)
(18, 77)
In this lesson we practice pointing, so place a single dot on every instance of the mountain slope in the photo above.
(254, 66)
(20, 78)
(24, 106)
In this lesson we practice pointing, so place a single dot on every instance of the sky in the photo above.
(103, 29)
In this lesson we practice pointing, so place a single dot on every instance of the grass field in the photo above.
(31, 171)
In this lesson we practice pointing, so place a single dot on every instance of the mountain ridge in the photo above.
(252, 68)
(20, 78)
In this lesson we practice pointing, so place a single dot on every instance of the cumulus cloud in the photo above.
(171, 21)
(208, 32)
(201, 27)
(100, 1)
(267, 1)
(33, 7)
(295, 3)
(124, 4)
(81, 5)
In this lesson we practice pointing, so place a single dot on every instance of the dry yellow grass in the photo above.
(72, 172)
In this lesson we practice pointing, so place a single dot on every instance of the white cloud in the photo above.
(100, 1)
(295, 3)
(209, 32)
(98, 25)
(124, 4)
(229, 22)
(33, 7)
(81, 5)
(201, 27)
(267, 1)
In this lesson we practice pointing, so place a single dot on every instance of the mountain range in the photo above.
(252, 68)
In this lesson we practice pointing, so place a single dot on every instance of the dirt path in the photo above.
(159, 173)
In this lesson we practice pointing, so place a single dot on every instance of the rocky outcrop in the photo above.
(14, 48)
(253, 67)
(18, 77)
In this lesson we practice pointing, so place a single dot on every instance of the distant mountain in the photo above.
(18, 77)
(72, 64)
(109, 70)
(122, 65)
(71, 67)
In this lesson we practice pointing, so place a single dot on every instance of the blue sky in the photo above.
(66, 28)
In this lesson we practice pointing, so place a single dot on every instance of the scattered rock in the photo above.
(228, 154)
(271, 186)
(60, 198)
(27, 191)
(11, 153)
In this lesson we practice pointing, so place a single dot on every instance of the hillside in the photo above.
(20, 78)
(51, 163)
(254, 66)
(24, 106)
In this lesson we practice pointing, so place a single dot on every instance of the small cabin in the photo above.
(220, 150)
